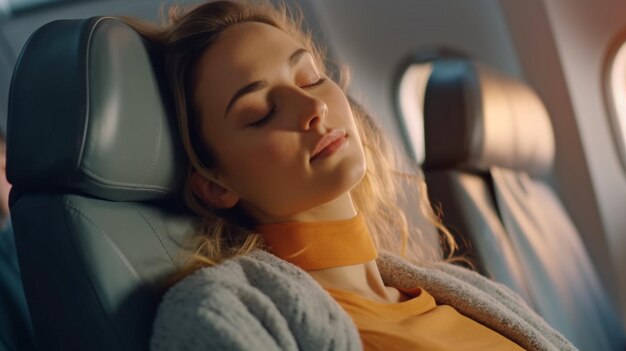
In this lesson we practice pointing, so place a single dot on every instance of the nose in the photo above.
(312, 111)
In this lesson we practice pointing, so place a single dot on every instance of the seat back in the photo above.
(96, 166)
(488, 146)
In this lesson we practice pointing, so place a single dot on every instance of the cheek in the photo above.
(273, 150)
(262, 154)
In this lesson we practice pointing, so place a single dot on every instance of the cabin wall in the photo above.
(562, 55)
(583, 36)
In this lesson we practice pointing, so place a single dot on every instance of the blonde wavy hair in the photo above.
(184, 36)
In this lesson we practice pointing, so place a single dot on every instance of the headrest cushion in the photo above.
(87, 114)
(476, 118)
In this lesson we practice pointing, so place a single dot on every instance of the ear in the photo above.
(211, 192)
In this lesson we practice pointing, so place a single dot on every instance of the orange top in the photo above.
(416, 324)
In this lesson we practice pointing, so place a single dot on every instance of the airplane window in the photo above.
(616, 93)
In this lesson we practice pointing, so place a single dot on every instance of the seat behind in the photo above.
(488, 145)
(96, 166)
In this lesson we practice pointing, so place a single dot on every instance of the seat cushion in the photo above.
(98, 266)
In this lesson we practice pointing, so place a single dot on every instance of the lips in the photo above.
(329, 143)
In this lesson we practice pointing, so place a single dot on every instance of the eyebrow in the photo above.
(294, 58)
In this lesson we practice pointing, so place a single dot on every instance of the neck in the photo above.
(363, 279)
(338, 209)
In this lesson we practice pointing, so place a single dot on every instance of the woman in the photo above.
(301, 241)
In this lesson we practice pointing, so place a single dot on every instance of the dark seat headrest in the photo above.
(88, 113)
(475, 117)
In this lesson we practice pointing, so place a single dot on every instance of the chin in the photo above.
(348, 174)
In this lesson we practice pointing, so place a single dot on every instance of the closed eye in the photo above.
(317, 83)
(261, 122)
(264, 120)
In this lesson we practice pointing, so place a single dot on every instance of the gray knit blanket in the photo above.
(260, 302)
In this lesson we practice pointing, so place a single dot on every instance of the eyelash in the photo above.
(263, 120)
(268, 116)
(318, 83)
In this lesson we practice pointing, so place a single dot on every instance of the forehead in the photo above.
(245, 52)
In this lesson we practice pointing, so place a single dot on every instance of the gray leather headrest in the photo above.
(476, 118)
(87, 114)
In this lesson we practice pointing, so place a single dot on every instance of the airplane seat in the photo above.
(96, 166)
(488, 147)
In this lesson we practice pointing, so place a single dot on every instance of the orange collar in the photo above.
(320, 245)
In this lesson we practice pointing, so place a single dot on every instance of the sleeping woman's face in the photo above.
(282, 133)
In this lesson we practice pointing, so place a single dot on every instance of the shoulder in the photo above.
(207, 310)
(257, 275)
(256, 299)
(443, 277)
(483, 300)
